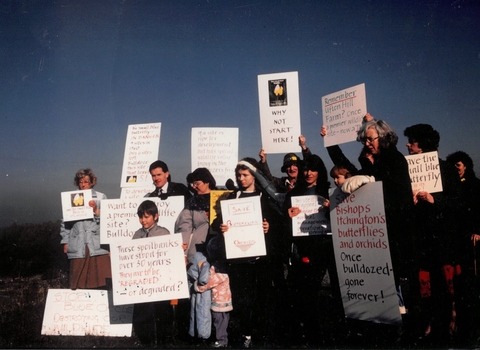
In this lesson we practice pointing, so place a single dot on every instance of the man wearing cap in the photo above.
(291, 165)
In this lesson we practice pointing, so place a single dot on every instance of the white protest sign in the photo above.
(312, 219)
(245, 237)
(141, 150)
(85, 312)
(362, 255)
(217, 150)
(134, 192)
(279, 104)
(75, 205)
(343, 112)
(148, 269)
(119, 219)
(424, 170)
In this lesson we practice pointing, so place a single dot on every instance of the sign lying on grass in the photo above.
(148, 269)
(85, 312)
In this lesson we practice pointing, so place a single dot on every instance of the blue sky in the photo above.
(75, 74)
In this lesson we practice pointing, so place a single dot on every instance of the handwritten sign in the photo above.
(148, 269)
(362, 255)
(424, 170)
(245, 237)
(279, 104)
(217, 150)
(343, 112)
(75, 205)
(134, 192)
(141, 150)
(312, 219)
(85, 312)
(216, 197)
(119, 219)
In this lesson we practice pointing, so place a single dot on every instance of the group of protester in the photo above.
(432, 238)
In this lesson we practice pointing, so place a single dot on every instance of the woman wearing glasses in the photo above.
(89, 261)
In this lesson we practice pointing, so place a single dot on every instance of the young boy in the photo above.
(148, 216)
(146, 315)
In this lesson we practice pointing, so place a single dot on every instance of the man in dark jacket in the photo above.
(164, 188)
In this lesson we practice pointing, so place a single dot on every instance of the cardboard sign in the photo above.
(245, 237)
(85, 312)
(343, 112)
(424, 170)
(362, 255)
(141, 150)
(134, 192)
(75, 205)
(217, 150)
(279, 104)
(215, 197)
(312, 219)
(119, 219)
(148, 269)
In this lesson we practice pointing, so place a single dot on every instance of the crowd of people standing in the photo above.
(273, 299)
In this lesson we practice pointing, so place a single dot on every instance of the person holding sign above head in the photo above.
(291, 164)
(436, 217)
(89, 261)
(163, 185)
(390, 166)
(248, 276)
(150, 319)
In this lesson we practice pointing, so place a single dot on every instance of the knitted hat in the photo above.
(289, 159)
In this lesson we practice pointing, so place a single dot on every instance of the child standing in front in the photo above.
(147, 317)
(219, 283)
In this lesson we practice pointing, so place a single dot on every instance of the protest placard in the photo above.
(217, 150)
(148, 269)
(141, 149)
(85, 312)
(424, 170)
(245, 237)
(343, 112)
(135, 192)
(362, 255)
(119, 219)
(313, 219)
(279, 104)
(75, 205)
(215, 197)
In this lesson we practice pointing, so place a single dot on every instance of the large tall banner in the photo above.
(279, 103)
(119, 219)
(148, 269)
(217, 150)
(343, 112)
(362, 255)
(245, 237)
(424, 169)
(84, 312)
(141, 150)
